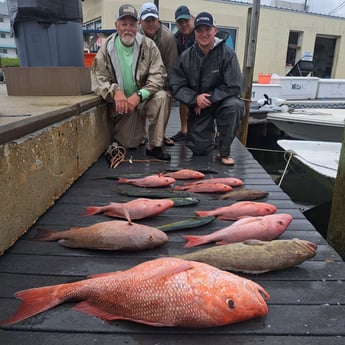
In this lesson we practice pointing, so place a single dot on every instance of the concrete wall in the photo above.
(274, 27)
(38, 168)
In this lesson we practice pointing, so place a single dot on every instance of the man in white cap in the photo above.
(164, 39)
(128, 71)
(208, 79)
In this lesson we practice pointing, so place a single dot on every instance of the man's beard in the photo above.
(127, 39)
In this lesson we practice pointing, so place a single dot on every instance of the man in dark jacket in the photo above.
(208, 79)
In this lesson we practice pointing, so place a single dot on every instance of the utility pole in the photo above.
(156, 2)
(248, 65)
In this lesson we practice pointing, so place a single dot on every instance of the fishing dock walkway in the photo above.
(307, 304)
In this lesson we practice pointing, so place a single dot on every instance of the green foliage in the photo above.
(9, 62)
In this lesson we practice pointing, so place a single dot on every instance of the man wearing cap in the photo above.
(164, 39)
(128, 71)
(208, 79)
(184, 38)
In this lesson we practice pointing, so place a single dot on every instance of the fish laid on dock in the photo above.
(161, 292)
(243, 195)
(239, 210)
(230, 181)
(154, 194)
(192, 222)
(185, 174)
(264, 228)
(149, 181)
(137, 209)
(204, 188)
(111, 235)
(254, 256)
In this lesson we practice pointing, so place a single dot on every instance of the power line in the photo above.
(336, 9)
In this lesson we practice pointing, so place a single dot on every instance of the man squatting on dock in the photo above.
(128, 71)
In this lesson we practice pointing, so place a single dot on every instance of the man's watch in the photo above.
(139, 93)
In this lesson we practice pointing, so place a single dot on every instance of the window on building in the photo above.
(294, 48)
(2, 35)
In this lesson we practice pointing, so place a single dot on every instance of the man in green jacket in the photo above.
(128, 71)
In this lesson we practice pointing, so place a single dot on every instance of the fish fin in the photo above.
(68, 243)
(126, 213)
(202, 213)
(87, 308)
(253, 242)
(102, 275)
(91, 210)
(34, 301)
(221, 243)
(44, 235)
(193, 241)
(226, 218)
(164, 271)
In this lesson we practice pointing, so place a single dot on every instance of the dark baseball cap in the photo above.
(127, 10)
(182, 12)
(204, 18)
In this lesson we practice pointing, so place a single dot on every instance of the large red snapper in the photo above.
(111, 235)
(265, 228)
(239, 210)
(161, 292)
(137, 209)
(149, 181)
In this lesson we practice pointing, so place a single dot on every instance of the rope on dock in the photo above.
(291, 154)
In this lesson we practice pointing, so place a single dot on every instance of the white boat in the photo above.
(311, 124)
(319, 157)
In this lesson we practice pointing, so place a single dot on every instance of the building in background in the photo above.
(285, 34)
(7, 43)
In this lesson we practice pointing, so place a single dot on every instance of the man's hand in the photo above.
(133, 101)
(203, 100)
(121, 102)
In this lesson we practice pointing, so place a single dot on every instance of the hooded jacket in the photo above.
(148, 68)
(218, 73)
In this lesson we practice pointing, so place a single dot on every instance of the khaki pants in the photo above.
(128, 128)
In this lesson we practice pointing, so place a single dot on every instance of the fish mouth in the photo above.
(311, 246)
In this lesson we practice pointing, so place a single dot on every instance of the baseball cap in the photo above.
(182, 12)
(127, 10)
(148, 10)
(204, 18)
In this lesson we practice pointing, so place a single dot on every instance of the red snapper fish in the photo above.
(239, 210)
(149, 181)
(205, 188)
(230, 181)
(265, 228)
(137, 209)
(185, 174)
(160, 292)
(111, 235)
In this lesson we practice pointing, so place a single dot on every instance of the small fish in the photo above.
(149, 181)
(187, 223)
(254, 256)
(205, 188)
(243, 194)
(153, 194)
(239, 210)
(137, 209)
(161, 292)
(185, 174)
(111, 235)
(265, 228)
(230, 181)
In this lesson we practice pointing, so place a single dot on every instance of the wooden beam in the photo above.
(248, 65)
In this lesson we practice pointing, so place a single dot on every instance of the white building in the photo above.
(7, 43)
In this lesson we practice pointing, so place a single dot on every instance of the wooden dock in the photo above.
(307, 304)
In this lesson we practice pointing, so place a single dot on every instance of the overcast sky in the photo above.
(317, 6)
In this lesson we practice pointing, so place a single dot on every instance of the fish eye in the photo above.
(281, 223)
(231, 304)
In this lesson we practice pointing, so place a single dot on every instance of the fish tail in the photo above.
(91, 210)
(193, 241)
(44, 235)
(34, 301)
(203, 213)
(122, 180)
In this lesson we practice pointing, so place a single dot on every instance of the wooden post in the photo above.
(336, 225)
(248, 65)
